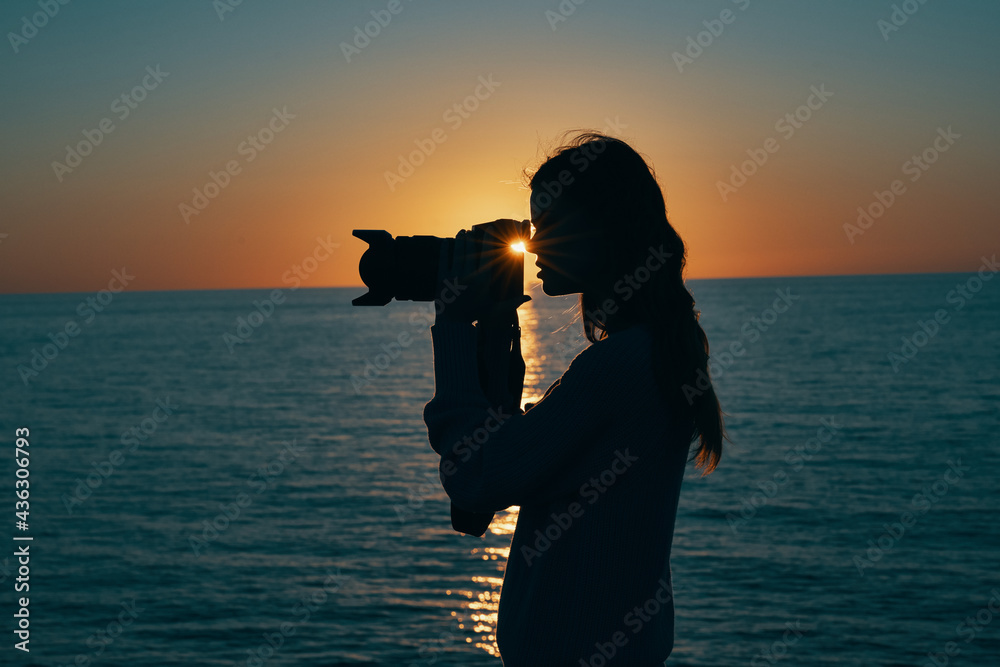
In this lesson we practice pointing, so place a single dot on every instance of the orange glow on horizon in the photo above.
(208, 214)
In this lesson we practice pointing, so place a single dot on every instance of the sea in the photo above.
(243, 477)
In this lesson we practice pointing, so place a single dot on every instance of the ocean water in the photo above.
(202, 495)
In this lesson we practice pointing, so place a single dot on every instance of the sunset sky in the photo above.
(309, 128)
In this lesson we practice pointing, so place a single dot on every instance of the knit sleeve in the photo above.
(491, 459)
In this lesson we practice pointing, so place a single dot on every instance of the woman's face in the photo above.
(569, 255)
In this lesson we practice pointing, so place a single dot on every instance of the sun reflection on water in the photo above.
(527, 316)
(482, 600)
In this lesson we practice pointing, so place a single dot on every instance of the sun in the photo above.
(518, 247)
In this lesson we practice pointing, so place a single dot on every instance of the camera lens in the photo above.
(405, 268)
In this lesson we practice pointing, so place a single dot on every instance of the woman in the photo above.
(596, 465)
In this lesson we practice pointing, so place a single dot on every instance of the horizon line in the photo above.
(365, 287)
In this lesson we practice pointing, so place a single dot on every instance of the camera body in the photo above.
(405, 268)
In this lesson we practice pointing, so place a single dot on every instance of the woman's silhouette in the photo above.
(596, 465)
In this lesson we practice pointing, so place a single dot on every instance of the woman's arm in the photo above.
(493, 458)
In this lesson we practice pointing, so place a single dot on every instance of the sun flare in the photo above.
(518, 247)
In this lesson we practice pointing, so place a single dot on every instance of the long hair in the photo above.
(618, 193)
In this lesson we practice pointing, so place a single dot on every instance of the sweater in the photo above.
(596, 467)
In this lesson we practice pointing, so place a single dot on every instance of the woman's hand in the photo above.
(460, 283)
(463, 296)
(463, 286)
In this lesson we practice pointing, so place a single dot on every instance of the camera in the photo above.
(405, 268)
